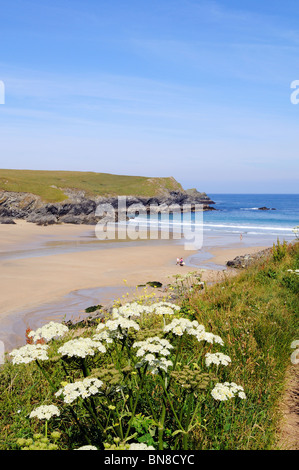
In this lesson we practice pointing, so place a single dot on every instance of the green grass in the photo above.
(255, 314)
(49, 185)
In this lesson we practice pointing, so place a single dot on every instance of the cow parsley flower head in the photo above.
(140, 446)
(118, 327)
(217, 358)
(165, 308)
(210, 338)
(133, 309)
(153, 352)
(87, 447)
(81, 347)
(225, 391)
(45, 412)
(29, 353)
(154, 345)
(103, 335)
(179, 326)
(83, 389)
(49, 331)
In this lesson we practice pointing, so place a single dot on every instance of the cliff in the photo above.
(73, 197)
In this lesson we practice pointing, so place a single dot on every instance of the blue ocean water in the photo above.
(239, 213)
(237, 216)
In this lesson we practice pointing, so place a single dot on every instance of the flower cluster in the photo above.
(29, 353)
(118, 445)
(116, 328)
(165, 308)
(153, 352)
(179, 326)
(45, 412)
(48, 332)
(209, 338)
(87, 447)
(133, 309)
(217, 358)
(81, 347)
(140, 446)
(227, 390)
(83, 389)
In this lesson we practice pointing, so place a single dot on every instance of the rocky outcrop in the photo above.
(7, 221)
(80, 208)
(266, 209)
(241, 262)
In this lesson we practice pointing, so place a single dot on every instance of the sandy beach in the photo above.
(36, 279)
(33, 271)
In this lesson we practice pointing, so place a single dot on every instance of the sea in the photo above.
(235, 217)
(240, 213)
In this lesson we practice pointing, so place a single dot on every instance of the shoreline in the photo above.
(37, 281)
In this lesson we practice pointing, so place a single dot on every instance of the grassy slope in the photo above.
(49, 184)
(257, 316)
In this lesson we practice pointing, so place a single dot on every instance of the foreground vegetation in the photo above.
(49, 185)
(206, 371)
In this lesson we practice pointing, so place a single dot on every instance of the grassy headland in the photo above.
(256, 316)
(50, 185)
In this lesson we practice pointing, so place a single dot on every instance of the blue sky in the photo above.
(198, 90)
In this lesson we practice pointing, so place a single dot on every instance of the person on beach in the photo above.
(182, 262)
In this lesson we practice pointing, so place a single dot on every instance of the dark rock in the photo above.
(266, 209)
(7, 220)
(47, 220)
(241, 262)
(79, 209)
(154, 284)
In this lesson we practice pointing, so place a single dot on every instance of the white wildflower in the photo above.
(81, 347)
(45, 412)
(217, 358)
(153, 345)
(140, 446)
(165, 308)
(87, 447)
(211, 338)
(103, 336)
(133, 309)
(179, 326)
(29, 353)
(227, 390)
(49, 331)
(83, 389)
(118, 327)
(150, 352)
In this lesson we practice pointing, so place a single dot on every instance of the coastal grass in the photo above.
(50, 185)
(256, 315)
